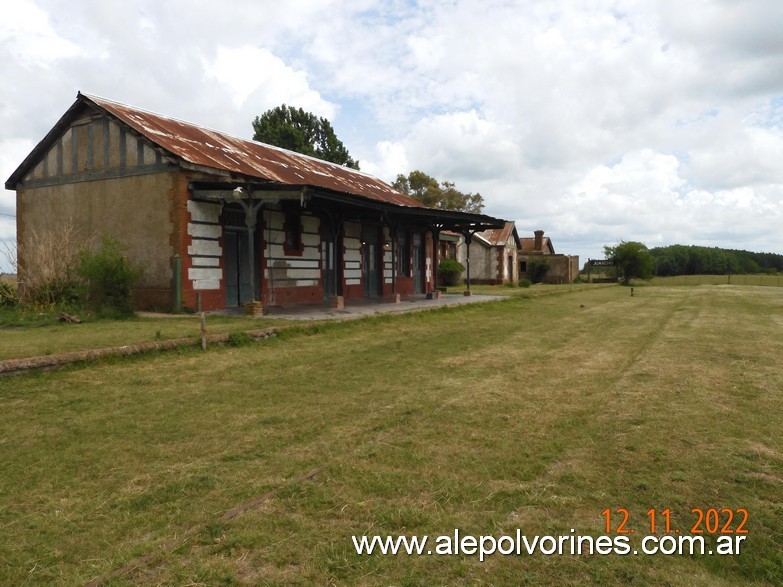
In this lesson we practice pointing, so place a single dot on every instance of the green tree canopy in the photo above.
(633, 259)
(694, 260)
(296, 130)
(420, 186)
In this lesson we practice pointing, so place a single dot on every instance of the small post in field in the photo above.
(203, 331)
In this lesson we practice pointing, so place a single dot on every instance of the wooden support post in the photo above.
(203, 331)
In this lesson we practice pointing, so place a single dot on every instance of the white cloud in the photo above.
(390, 160)
(644, 197)
(461, 144)
(752, 156)
(28, 37)
(252, 71)
(594, 121)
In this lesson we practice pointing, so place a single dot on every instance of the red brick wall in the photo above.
(211, 299)
(405, 286)
(287, 296)
(353, 292)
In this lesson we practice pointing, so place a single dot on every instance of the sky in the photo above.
(596, 121)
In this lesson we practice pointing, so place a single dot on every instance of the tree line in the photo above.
(633, 260)
(697, 260)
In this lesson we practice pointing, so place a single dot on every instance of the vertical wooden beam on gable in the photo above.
(139, 152)
(98, 144)
(45, 164)
(115, 146)
(106, 156)
(123, 149)
(90, 163)
(74, 166)
(59, 149)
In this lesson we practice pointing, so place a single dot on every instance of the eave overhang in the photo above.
(433, 218)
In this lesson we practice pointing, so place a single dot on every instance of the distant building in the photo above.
(562, 268)
(493, 255)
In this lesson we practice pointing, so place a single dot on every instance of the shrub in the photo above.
(47, 265)
(240, 338)
(449, 271)
(537, 268)
(524, 282)
(108, 278)
(8, 296)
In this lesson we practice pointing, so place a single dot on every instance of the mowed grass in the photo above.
(754, 279)
(27, 333)
(522, 414)
(47, 336)
(532, 291)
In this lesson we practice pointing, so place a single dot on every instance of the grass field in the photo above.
(26, 333)
(533, 291)
(761, 280)
(531, 414)
(46, 336)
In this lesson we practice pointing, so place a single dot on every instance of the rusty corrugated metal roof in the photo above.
(498, 237)
(212, 149)
(529, 245)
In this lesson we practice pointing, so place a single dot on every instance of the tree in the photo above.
(632, 259)
(420, 186)
(697, 260)
(296, 130)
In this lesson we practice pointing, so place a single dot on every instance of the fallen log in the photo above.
(10, 366)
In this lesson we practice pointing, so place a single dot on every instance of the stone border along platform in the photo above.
(14, 366)
(352, 312)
